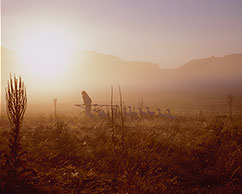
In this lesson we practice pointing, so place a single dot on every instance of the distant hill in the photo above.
(109, 69)
(212, 72)
(229, 66)
(207, 72)
(92, 70)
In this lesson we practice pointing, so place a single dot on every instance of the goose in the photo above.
(141, 113)
(168, 115)
(150, 114)
(160, 114)
(132, 115)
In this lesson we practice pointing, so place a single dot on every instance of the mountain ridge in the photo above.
(93, 53)
(93, 68)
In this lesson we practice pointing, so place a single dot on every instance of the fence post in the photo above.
(55, 107)
(230, 102)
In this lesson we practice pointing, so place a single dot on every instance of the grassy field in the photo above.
(75, 155)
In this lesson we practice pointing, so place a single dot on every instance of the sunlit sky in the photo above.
(166, 32)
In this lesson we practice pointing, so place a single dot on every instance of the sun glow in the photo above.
(46, 54)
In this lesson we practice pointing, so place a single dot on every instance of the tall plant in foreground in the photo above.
(16, 102)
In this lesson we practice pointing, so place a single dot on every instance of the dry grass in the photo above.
(188, 155)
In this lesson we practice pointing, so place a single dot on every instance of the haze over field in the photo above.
(155, 49)
(96, 72)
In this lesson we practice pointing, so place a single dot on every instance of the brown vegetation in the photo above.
(192, 154)
(189, 155)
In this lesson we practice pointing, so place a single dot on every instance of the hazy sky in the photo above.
(165, 32)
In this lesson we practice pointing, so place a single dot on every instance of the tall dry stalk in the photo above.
(122, 115)
(16, 103)
(112, 116)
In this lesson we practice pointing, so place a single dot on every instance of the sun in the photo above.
(46, 54)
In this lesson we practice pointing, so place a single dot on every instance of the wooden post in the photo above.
(230, 102)
(55, 105)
